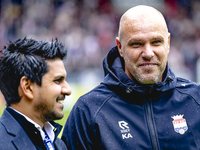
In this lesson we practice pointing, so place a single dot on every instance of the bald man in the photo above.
(140, 104)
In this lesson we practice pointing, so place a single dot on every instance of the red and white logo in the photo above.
(179, 123)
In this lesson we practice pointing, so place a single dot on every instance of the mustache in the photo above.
(61, 97)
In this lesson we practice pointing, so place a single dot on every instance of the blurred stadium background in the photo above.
(88, 29)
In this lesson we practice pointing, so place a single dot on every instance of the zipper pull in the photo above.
(128, 90)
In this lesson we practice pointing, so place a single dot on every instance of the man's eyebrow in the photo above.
(139, 40)
(59, 77)
(134, 40)
(158, 38)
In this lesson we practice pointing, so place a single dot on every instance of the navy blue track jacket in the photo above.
(121, 115)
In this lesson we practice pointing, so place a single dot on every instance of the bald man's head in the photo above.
(144, 44)
(141, 15)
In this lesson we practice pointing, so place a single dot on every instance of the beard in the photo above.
(148, 76)
(46, 111)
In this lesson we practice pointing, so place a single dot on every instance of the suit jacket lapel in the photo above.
(22, 141)
(20, 138)
(60, 145)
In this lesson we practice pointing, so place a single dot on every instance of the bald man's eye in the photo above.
(157, 42)
(136, 44)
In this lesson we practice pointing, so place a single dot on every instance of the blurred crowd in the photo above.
(88, 29)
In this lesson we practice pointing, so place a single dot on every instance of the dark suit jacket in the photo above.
(13, 136)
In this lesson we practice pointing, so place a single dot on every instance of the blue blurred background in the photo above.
(88, 29)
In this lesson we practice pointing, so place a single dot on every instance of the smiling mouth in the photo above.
(60, 100)
(148, 65)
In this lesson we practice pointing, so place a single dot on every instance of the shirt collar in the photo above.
(48, 127)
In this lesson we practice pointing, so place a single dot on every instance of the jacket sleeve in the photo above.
(78, 133)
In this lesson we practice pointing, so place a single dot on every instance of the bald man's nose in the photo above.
(148, 52)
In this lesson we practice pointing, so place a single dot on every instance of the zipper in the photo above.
(150, 124)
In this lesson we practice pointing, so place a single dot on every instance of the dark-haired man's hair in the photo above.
(26, 57)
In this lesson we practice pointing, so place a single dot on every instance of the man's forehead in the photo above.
(56, 66)
(147, 23)
(142, 15)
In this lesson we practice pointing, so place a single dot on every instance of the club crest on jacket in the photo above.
(179, 123)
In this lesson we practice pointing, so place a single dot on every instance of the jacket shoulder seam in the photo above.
(103, 104)
(187, 93)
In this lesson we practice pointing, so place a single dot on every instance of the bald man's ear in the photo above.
(25, 88)
(119, 46)
(169, 37)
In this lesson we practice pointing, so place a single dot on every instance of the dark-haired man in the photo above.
(32, 80)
